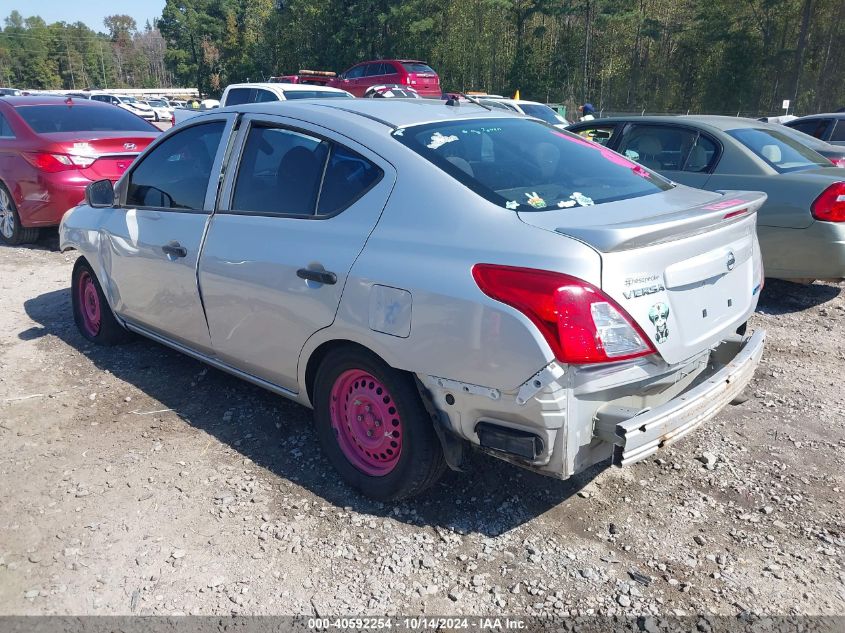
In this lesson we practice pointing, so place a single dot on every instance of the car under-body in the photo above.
(403, 256)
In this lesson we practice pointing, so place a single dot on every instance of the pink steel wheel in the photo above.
(366, 423)
(89, 303)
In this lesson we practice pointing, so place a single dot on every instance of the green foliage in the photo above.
(719, 56)
(72, 56)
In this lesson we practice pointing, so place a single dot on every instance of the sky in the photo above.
(91, 12)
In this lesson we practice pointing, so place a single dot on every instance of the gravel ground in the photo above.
(134, 480)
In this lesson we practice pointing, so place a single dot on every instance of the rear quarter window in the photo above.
(838, 133)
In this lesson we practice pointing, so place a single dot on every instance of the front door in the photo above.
(294, 216)
(151, 242)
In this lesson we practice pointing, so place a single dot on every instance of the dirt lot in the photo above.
(134, 480)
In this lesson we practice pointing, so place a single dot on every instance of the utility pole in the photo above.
(70, 63)
(102, 61)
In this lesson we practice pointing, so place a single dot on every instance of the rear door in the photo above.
(151, 242)
(294, 216)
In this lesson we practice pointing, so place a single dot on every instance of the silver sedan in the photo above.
(431, 278)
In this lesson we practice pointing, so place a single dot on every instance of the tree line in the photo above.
(34, 54)
(718, 56)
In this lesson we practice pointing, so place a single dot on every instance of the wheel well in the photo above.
(319, 354)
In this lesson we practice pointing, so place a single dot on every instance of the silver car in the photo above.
(431, 279)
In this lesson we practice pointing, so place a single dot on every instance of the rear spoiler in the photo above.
(734, 206)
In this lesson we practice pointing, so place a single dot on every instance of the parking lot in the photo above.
(135, 480)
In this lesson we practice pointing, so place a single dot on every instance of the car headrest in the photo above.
(771, 153)
(649, 145)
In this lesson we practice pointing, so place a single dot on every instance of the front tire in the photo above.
(12, 232)
(91, 310)
(373, 426)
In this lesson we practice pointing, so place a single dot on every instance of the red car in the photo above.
(51, 148)
(407, 72)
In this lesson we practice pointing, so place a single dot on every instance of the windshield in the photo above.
(315, 94)
(523, 164)
(44, 119)
(128, 99)
(781, 152)
(541, 111)
(157, 104)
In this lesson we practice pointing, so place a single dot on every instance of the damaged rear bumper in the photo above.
(565, 419)
(638, 434)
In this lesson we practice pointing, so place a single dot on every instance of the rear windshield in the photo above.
(541, 111)
(526, 165)
(417, 67)
(44, 119)
(314, 94)
(783, 153)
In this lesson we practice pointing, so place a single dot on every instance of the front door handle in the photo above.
(320, 276)
(174, 249)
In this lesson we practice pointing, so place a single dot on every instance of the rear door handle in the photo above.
(320, 276)
(175, 249)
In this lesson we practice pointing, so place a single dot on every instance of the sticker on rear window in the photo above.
(535, 200)
(438, 140)
(581, 199)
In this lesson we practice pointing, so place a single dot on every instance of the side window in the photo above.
(175, 174)
(838, 134)
(280, 172)
(287, 173)
(237, 96)
(357, 72)
(5, 129)
(348, 177)
(662, 148)
(810, 127)
(374, 70)
(599, 134)
(702, 155)
(263, 96)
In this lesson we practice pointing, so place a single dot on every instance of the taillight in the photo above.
(172, 119)
(52, 163)
(830, 206)
(580, 323)
(838, 162)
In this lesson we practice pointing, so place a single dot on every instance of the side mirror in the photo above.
(100, 194)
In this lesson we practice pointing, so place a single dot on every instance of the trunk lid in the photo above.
(684, 264)
(113, 152)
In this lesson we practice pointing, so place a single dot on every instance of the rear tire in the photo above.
(373, 426)
(12, 232)
(91, 310)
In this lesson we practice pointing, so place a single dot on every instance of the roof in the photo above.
(722, 123)
(285, 87)
(822, 115)
(49, 100)
(391, 112)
